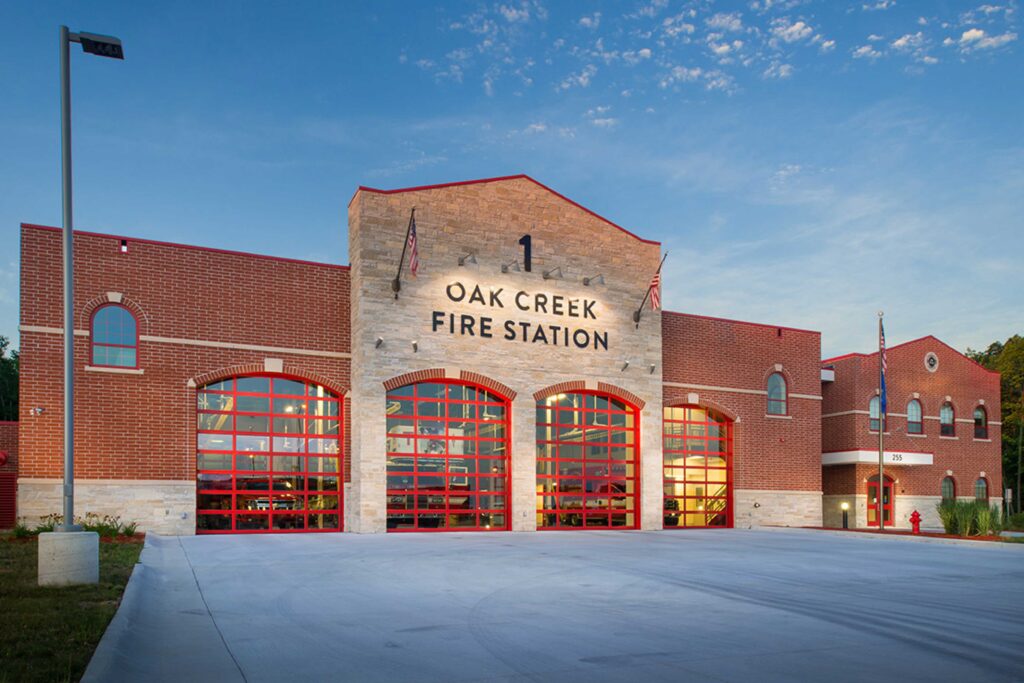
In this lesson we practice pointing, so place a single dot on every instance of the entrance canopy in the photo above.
(871, 457)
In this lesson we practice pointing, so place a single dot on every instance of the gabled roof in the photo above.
(521, 176)
(847, 356)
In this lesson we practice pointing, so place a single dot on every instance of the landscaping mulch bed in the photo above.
(49, 634)
(923, 534)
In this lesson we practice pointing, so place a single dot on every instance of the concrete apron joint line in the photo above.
(163, 610)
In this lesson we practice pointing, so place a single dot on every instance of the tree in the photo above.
(8, 381)
(1008, 360)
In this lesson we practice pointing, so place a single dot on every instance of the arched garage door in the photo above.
(268, 456)
(447, 457)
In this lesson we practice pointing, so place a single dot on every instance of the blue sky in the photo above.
(806, 164)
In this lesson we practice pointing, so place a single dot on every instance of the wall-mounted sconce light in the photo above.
(652, 368)
(36, 411)
(596, 280)
(625, 364)
(376, 344)
(513, 266)
(467, 258)
(553, 274)
(415, 346)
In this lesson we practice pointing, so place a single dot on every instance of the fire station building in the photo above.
(508, 385)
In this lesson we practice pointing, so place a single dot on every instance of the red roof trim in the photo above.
(215, 250)
(912, 341)
(520, 176)
(742, 322)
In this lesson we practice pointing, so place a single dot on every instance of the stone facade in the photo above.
(487, 221)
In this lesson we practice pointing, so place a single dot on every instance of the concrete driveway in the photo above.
(771, 605)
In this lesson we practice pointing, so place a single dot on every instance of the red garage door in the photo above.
(268, 456)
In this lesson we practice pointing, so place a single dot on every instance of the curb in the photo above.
(869, 536)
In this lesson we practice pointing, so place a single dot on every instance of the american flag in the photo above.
(414, 255)
(881, 347)
(656, 291)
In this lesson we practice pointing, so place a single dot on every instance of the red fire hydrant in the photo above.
(915, 521)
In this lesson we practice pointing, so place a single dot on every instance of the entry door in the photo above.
(873, 503)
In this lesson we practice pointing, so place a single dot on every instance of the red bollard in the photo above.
(915, 521)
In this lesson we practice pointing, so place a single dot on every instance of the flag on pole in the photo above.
(414, 254)
(656, 291)
(881, 347)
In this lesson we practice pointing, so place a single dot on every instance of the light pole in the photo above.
(70, 555)
(105, 46)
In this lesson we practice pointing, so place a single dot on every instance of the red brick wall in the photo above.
(143, 426)
(9, 445)
(964, 381)
(8, 474)
(770, 453)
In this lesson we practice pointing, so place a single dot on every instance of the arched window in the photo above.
(981, 490)
(915, 422)
(447, 457)
(873, 414)
(980, 423)
(268, 456)
(948, 489)
(777, 394)
(698, 468)
(114, 336)
(947, 420)
(587, 462)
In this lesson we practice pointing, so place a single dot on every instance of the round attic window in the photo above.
(931, 361)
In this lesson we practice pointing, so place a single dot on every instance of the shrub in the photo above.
(49, 522)
(966, 513)
(1016, 522)
(947, 513)
(996, 527)
(21, 530)
(983, 519)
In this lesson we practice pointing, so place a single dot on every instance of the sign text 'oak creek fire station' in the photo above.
(497, 299)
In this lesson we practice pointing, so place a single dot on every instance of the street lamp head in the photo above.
(96, 44)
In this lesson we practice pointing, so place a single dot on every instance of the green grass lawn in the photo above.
(49, 634)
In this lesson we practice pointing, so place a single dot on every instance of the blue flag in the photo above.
(881, 350)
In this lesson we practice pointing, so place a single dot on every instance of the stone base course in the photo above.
(162, 507)
(753, 508)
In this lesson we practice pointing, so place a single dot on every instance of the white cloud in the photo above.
(635, 57)
(674, 26)
(976, 39)
(580, 79)
(827, 46)
(592, 21)
(866, 52)
(790, 32)
(880, 5)
(726, 22)
(908, 41)
(874, 37)
(605, 122)
(513, 15)
(534, 128)
(680, 74)
(778, 70)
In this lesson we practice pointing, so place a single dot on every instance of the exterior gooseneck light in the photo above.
(377, 344)
(513, 266)
(415, 346)
(625, 364)
(467, 258)
(553, 274)
(596, 280)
